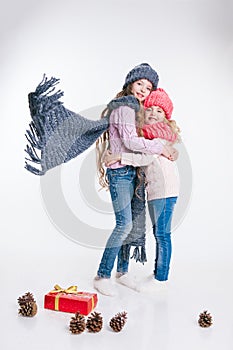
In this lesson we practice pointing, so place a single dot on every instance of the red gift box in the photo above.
(70, 300)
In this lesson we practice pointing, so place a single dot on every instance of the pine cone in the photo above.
(27, 297)
(95, 322)
(118, 321)
(77, 323)
(205, 319)
(27, 305)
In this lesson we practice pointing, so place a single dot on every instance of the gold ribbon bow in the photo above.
(59, 290)
(70, 290)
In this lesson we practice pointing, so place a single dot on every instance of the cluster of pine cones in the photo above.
(94, 322)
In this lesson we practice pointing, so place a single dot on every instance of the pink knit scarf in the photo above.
(159, 130)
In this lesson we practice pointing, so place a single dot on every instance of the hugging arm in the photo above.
(124, 118)
(134, 159)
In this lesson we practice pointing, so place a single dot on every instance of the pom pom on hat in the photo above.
(160, 98)
(142, 71)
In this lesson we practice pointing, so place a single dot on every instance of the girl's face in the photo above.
(154, 114)
(141, 89)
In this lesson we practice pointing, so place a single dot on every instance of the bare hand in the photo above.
(170, 153)
(174, 154)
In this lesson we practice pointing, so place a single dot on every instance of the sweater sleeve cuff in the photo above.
(159, 146)
(126, 159)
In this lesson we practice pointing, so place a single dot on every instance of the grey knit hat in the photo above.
(142, 71)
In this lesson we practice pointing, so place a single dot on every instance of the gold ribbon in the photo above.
(92, 302)
(71, 290)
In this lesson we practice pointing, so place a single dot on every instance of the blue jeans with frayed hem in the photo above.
(122, 186)
(161, 211)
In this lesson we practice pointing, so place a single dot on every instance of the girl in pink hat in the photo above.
(161, 178)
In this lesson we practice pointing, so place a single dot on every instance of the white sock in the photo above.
(127, 280)
(152, 285)
(104, 286)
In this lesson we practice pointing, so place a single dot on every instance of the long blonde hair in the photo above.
(102, 144)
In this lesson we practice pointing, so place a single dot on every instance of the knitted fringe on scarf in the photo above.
(56, 132)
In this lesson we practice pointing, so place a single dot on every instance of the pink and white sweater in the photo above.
(162, 177)
(123, 135)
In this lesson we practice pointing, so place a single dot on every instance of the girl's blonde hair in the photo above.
(102, 144)
(175, 128)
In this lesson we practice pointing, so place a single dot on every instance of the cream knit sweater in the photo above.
(162, 178)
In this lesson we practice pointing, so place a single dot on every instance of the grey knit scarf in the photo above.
(61, 135)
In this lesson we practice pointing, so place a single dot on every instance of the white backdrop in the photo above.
(91, 46)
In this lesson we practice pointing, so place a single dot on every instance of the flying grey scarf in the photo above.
(61, 135)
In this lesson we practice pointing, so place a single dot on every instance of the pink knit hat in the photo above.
(160, 98)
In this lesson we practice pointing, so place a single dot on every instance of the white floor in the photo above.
(159, 322)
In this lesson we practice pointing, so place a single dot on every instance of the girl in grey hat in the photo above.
(122, 137)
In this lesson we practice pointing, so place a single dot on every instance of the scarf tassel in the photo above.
(33, 170)
(139, 255)
(33, 155)
(32, 138)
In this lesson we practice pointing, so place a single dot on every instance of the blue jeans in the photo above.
(161, 211)
(122, 186)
